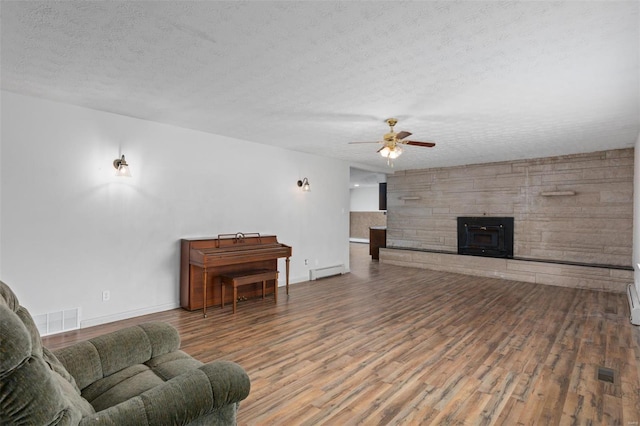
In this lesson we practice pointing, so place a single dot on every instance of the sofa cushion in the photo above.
(122, 348)
(104, 355)
(82, 361)
(34, 387)
(162, 339)
(15, 342)
(173, 364)
(11, 301)
(121, 386)
(134, 380)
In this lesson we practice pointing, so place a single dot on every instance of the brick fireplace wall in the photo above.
(573, 209)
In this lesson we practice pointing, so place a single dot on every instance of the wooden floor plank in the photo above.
(510, 413)
(392, 345)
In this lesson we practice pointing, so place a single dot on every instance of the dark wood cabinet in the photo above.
(377, 239)
(382, 196)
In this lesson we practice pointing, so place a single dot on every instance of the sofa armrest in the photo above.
(182, 399)
(104, 355)
(229, 382)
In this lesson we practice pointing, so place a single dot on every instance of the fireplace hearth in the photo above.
(485, 236)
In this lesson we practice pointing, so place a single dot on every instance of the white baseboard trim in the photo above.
(292, 280)
(129, 314)
(303, 279)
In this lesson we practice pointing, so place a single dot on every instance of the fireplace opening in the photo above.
(485, 236)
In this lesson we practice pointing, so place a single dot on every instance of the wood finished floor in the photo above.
(391, 345)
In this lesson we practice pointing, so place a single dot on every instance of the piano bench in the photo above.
(236, 279)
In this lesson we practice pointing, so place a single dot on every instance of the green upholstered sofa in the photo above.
(134, 376)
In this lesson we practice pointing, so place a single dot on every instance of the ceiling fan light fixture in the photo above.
(391, 152)
(395, 152)
(392, 142)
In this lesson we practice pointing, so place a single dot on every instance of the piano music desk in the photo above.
(248, 277)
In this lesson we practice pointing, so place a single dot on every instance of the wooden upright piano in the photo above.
(203, 260)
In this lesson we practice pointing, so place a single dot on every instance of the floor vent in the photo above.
(605, 374)
(57, 322)
(327, 271)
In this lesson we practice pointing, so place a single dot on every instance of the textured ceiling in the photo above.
(487, 81)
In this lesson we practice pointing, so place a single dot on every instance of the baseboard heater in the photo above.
(327, 271)
(634, 304)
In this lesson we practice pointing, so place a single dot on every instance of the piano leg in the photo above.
(222, 294)
(204, 293)
(287, 263)
(275, 289)
(235, 298)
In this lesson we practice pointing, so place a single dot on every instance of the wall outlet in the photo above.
(106, 295)
(306, 262)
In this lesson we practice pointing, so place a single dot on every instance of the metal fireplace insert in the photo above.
(485, 236)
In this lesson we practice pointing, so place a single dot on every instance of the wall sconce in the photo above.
(304, 184)
(121, 166)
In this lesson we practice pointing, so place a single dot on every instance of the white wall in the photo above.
(364, 199)
(636, 215)
(1, 189)
(71, 229)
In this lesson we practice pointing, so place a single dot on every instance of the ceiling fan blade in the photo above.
(416, 143)
(403, 134)
(365, 142)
